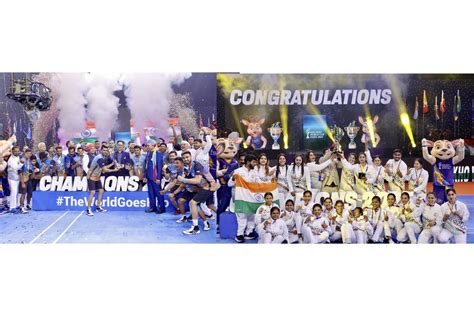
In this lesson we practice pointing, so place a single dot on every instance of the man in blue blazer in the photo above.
(122, 159)
(153, 174)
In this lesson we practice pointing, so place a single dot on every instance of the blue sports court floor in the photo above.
(52, 227)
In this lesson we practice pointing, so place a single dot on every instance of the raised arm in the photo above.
(307, 177)
(7, 144)
(459, 151)
(426, 155)
(312, 166)
(347, 165)
(326, 156)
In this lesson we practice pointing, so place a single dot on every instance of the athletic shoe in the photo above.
(4, 211)
(100, 209)
(151, 211)
(207, 226)
(89, 213)
(22, 211)
(182, 219)
(160, 211)
(194, 230)
(28, 208)
(189, 218)
(240, 239)
(250, 236)
(218, 229)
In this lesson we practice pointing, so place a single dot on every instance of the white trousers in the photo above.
(379, 229)
(13, 193)
(310, 238)
(267, 239)
(283, 196)
(346, 234)
(292, 238)
(445, 236)
(429, 235)
(245, 223)
(393, 227)
(409, 231)
(299, 221)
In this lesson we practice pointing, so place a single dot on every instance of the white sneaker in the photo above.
(207, 226)
(194, 230)
(100, 209)
(89, 213)
(182, 219)
(22, 211)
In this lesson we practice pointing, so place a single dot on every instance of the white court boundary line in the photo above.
(47, 228)
(67, 228)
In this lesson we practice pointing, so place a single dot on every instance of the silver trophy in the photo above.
(275, 132)
(338, 134)
(352, 131)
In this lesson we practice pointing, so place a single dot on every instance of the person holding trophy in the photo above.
(25, 171)
(315, 171)
(330, 177)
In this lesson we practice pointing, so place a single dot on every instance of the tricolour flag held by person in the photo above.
(249, 196)
(425, 102)
(415, 114)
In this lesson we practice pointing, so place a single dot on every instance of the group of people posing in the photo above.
(196, 178)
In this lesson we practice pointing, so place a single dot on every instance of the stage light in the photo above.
(235, 116)
(370, 125)
(405, 119)
(284, 124)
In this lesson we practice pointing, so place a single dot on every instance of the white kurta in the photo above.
(396, 183)
(430, 232)
(274, 233)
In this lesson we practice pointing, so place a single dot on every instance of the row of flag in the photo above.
(439, 109)
(12, 128)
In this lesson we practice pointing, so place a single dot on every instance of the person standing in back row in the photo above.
(153, 175)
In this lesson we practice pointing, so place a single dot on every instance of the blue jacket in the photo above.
(154, 169)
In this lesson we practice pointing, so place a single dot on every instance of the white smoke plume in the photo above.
(69, 89)
(149, 97)
(102, 104)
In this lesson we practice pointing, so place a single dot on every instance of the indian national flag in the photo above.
(249, 195)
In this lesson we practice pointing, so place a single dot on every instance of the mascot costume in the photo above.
(223, 163)
(443, 157)
(5, 152)
(226, 164)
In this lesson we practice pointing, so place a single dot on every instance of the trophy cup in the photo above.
(338, 134)
(352, 131)
(275, 131)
